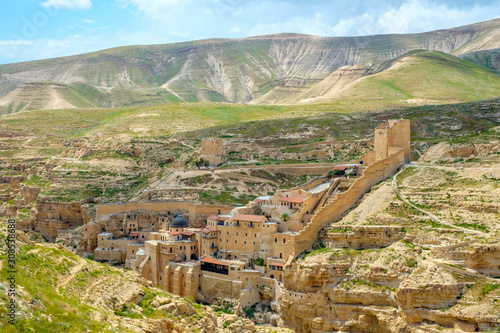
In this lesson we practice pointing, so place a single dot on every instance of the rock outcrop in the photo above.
(30, 194)
(54, 216)
(445, 150)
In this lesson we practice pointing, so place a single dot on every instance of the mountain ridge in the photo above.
(231, 70)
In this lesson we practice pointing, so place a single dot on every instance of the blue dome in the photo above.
(179, 222)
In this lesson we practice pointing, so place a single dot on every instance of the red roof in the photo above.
(175, 233)
(211, 260)
(259, 200)
(293, 200)
(134, 234)
(342, 168)
(276, 264)
(188, 233)
(208, 229)
(222, 218)
(213, 217)
(249, 218)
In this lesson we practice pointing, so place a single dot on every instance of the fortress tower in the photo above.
(392, 134)
(390, 137)
(212, 149)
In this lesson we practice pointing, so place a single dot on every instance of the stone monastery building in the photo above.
(238, 254)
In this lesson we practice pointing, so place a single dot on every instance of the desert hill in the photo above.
(265, 69)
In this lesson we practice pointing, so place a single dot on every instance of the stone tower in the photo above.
(212, 150)
(392, 134)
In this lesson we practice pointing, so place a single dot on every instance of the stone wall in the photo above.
(373, 174)
(295, 169)
(215, 285)
(195, 212)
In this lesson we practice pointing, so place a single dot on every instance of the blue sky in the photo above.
(39, 29)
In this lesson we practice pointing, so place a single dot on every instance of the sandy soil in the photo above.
(376, 201)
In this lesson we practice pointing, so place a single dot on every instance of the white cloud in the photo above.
(408, 16)
(88, 21)
(68, 4)
(15, 42)
(413, 16)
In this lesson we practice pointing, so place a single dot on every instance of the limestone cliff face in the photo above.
(331, 292)
(485, 259)
(444, 150)
(363, 237)
(54, 216)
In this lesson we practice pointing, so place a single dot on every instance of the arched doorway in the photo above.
(193, 257)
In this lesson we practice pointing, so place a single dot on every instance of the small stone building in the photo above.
(212, 150)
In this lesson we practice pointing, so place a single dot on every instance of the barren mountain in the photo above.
(265, 69)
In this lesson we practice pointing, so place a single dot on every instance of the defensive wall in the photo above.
(294, 169)
(373, 174)
(193, 210)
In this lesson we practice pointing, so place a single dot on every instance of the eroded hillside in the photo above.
(265, 69)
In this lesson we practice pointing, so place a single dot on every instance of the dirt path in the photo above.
(432, 216)
(72, 272)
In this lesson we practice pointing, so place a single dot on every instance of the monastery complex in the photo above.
(208, 251)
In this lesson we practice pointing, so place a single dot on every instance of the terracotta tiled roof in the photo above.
(188, 233)
(259, 200)
(222, 218)
(134, 234)
(342, 168)
(211, 260)
(174, 233)
(249, 218)
(208, 229)
(213, 217)
(276, 264)
(293, 200)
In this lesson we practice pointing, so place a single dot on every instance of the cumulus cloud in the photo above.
(408, 16)
(68, 4)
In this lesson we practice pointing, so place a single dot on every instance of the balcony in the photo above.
(208, 237)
